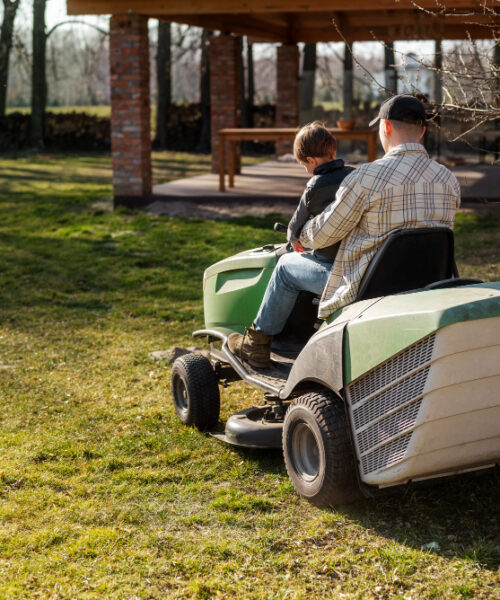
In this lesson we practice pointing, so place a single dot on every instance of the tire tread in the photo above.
(340, 484)
(202, 388)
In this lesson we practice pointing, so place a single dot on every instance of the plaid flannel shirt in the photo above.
(403, 190)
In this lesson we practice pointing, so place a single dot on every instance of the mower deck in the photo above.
(252, 428)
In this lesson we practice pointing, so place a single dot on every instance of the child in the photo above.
(315, 149)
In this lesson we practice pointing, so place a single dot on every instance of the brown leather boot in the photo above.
(253, 346)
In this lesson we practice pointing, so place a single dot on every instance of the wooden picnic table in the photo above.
(275, 134)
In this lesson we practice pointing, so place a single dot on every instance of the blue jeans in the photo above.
(294, 272)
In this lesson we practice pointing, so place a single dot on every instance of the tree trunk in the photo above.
(348, 80)
(243, 85)
(250, 101)
(438, 63)
(496, 64)
(438, 90)
(391, 80)
(9, 14)
(38, 75)
(204, 143)
(164, 82)
(307, 81)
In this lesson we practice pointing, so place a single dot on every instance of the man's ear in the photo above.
(387, 127)
(424, 129)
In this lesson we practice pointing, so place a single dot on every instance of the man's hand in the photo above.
(297, 246)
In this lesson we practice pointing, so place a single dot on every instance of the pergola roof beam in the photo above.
(319, 27)
(253, 26)
(392, 33)
(172, 7)
(291, 21)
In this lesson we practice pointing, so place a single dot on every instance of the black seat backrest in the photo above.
(409, 259)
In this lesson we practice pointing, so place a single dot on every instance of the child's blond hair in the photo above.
(314, 140)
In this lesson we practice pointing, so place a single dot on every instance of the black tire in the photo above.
(195, 391)
(318, 451)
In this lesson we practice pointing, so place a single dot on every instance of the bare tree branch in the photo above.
(77, 22)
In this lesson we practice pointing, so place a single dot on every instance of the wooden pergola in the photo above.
(283, 21)
(292, 21)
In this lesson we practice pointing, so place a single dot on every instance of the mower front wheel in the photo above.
(318, 452)
(195, 391)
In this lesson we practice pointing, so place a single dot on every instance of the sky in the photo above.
(54, 13)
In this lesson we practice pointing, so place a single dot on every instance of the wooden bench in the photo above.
(231, 137)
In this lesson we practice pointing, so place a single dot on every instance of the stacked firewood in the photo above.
(63, 131)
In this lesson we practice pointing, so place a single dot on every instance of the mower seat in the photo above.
(410, 259)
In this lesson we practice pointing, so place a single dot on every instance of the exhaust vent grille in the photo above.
(387, 455)
(390, 427)
(395, 368)
(384, 406)
(389, 399)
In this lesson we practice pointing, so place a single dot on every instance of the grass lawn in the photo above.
(103, 494)
(98, 111)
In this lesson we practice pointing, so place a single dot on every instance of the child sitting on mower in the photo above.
(403, 190)
(315, 149)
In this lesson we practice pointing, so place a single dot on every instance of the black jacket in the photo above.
(319, 193)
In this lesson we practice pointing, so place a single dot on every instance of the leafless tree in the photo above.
(39, 70)
(265, 74)
(6, 36)
(38, 77)
(164, 81)
(307, 79)
(250, 87)
(204, 142)
(469, 74)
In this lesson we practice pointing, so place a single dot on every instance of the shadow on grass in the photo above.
(269, 460)
(73, 260)
(101, 174)
(74, 273)
(265, 222)
(460, 513)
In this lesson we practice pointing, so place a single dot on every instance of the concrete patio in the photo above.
(275, 186)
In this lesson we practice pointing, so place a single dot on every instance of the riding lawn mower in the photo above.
(401, 385)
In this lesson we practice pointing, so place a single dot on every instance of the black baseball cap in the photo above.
(402, 107)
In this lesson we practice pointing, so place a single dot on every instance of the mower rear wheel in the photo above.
(195, 391)
(318, 451)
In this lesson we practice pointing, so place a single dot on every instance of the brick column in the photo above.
(130, 109)
(287, 91)
(225, 88)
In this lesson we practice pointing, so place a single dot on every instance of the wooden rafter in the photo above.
(254, 26)
(171, 7)
(319, 27)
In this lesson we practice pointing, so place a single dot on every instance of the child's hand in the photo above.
(297, 246)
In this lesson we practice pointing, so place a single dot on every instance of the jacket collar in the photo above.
(406, 148)
(329, 166)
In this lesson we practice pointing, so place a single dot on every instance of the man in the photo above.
(403, 190)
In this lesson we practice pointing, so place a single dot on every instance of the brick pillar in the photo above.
(287, 91)
(225, 88)
(130, 109)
